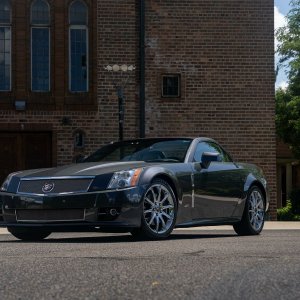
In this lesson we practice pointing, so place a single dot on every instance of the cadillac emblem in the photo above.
(48, 187)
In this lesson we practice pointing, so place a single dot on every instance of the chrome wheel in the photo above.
(253, 218)
(159, 208)
(256, 210)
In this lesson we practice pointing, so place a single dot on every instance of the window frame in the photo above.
(10, 57)
(80, 27)
(40, 26)
(174, 75)
(49, 63)
(49, 10)
(10, 14)
(87, 12)
(9, 26)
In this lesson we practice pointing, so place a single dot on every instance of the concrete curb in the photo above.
(3, 231)
(269, 225)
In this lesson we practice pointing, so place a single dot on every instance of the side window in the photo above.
(210, 147)
(224, 156)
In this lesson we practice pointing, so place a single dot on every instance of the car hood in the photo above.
(83, 169)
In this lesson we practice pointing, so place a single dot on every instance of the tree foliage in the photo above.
(288, 119)
(289, 41)
(288, 101)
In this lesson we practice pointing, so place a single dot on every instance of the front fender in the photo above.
(160, 172)
(260, 181)
(251, 180)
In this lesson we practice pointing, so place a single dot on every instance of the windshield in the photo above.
(169, 150)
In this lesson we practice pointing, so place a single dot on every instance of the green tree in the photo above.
(288, 101)
(289, 45)
(288, 119)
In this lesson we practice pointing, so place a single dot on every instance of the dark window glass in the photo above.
(40, 59)
(40, 13)
(40, 46)
(78, 13)
(5, 12)
(171, 86)
(224, 155)
(79, 139)
(145, 150)
(78, 47)
(210, 147)
(78, 59)
(5, 58)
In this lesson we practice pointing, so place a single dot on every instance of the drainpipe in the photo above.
(142, 69)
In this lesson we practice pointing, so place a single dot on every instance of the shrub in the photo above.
(295, 201)
(296, 217)
(285, 213)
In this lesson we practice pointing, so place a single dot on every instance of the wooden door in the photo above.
(37, 150)
(10, 159)
(24, 150)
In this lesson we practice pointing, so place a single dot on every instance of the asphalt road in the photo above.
(190, 265)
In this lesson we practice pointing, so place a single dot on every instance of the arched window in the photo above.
(78, 47)
(78, 13)
(40, 14)
(5, 45)
(40, 46)
(5, 12)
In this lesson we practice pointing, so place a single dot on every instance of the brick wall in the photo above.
(47, 110)
(224, 52)
(117, 44)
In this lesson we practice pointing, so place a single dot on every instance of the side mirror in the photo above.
(208, 157)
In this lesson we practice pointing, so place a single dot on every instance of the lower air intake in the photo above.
(49, 215)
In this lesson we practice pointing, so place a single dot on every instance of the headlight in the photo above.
(5, 184)
(124, 179)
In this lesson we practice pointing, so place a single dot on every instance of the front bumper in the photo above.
(95, 208)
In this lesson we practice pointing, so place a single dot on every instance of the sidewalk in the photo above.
(269, 225)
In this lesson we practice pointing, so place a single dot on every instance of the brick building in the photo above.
(288, 173)
(208, 69)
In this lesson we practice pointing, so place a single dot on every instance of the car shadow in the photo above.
(123, 238)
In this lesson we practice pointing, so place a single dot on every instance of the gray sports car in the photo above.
(145, 186)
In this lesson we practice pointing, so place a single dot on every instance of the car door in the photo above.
(218, 188)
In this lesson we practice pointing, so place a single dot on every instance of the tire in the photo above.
(253, 218)
(159, 212)
(28, 234)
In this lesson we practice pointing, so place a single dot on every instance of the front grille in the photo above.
(36, 186)
(49, 215)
